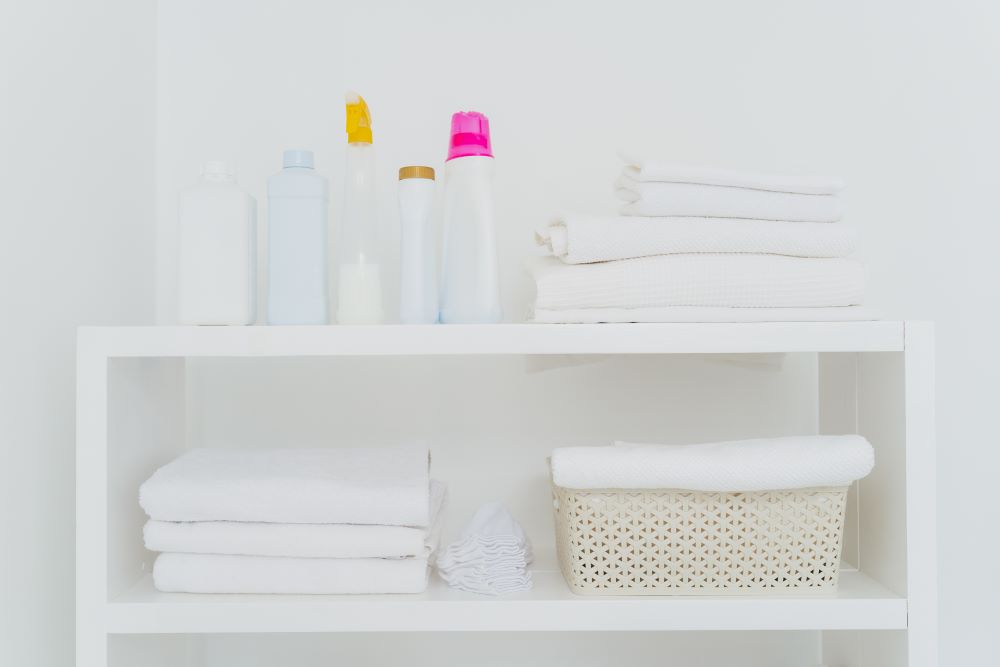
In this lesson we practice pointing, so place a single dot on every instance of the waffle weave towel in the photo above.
(640, 168)
(721, 280)
(209, 573)
(718, 201)
(366, 485)
(301, 540)
(581, 239)
(701, 314)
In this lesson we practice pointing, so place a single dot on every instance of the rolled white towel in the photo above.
(366, 485)
(742, 465)
(653, 169)
(717, 201)
(581, 239)
(715, 280)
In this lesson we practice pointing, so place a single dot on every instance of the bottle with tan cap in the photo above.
(418, 302)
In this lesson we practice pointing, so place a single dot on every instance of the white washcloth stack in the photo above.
(491, 557)
(335, 520)
(702, 244)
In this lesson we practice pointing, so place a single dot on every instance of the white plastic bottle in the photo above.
(217, 243)
(359, 287)
(297, 204)
(418, 299)
(470, 277)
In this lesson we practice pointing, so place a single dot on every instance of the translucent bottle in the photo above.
(359, 290)
(470, 277)
(217, 244)
(418, 299)
(297, 204)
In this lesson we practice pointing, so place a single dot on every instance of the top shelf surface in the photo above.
(393, 339)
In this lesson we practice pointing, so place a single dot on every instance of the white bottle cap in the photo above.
(219, 170)
(298, 158)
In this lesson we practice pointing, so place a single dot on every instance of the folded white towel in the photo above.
(371, 485)
(581, 239)
(716, 201)
(701, 314)
(298, 540)
(742, 465)
(491, 556)
(209, 573)
(640, 169)
(738, 281)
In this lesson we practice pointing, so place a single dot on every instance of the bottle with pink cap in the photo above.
(470, 281)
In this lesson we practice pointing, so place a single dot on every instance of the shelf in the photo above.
(861, 603)
(680, 338)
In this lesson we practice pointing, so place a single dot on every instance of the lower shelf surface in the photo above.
(860, 604)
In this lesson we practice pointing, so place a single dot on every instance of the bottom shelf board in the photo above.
(860, 604)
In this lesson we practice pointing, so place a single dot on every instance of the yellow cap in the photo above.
(359, 120)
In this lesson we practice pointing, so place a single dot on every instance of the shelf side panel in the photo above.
(91, 501)
(883, 494)
(921, 502)
(146, 430)
(837, 411)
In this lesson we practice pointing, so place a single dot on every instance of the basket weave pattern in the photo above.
(656, 542)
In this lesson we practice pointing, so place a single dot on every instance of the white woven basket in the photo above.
(675, 542)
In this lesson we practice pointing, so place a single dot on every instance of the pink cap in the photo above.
(470, 135)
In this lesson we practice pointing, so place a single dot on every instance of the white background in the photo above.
(108, 107)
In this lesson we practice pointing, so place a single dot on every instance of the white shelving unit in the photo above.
(875, 378)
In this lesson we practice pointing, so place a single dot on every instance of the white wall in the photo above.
(901, 98)
(76, 187)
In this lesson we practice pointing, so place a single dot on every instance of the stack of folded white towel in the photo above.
(336, 520)
(491, 557)
(703, 244)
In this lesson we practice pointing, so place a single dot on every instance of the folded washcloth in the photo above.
(640, 169)
(701, 314)
(491, 557)
(470, 548)
(742, 465)
(370, 485)
(496, 585)
(738, 281)
(493, 523)
(298, 540)
(716, 201)
(210, 573)
(580, 239)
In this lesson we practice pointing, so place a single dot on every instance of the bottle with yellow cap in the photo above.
(359, 291)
